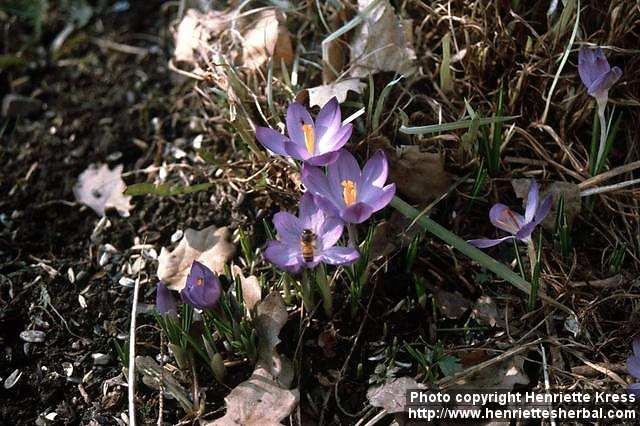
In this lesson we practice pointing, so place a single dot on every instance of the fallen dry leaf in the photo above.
(383, 42)
(572, 203)
(485, 311)
(195, 31)
(320, 95)
(451, 304)
(153, 375)
(502, 375)
(264, 38)
(209, 246)
(101, 188)
(271, 316)
(264, 399)
(392, 395)
(259, 401)
(392, 234)
(251, 291)
(419, 176)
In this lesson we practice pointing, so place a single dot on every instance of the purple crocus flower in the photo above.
(519, 227)
(316, 143)
(165, 302)
(202, 289)
(595, 72)
(307, 240)
(347, 192)
(633, 366)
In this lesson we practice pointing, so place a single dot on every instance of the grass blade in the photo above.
(465, 248)
(461, 124)
(562, 62)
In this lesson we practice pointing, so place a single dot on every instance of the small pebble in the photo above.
(177, 235)
(100, 359)
(197, 141)
(33, 336)
(68, 368)
(12, 379)
(126, 282)
(104, 259)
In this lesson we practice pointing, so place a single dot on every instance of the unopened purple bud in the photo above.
(165, 302)
(202, 289)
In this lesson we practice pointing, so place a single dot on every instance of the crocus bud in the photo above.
(202, 289)
(165, 302)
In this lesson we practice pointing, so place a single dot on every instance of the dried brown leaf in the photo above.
(383, 42)
(195, 31)
(251, 291)
(259, 401)
(485, 311)
(320, 95)
(502, 375)
(451, 304)
(392, 395)
(264, 38)
(101, 188)
(209, 246)
(419, 176)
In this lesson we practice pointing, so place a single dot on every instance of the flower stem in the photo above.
(535, 283)
(602, 104)
(531, 252)
(325, 290)
(287, 289)
(353, 235)
(306, 291)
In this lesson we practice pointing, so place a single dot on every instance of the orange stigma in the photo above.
(349, 192)
(309, 138)
(200, 281)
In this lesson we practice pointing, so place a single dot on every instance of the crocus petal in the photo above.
(294, 150)
(328, 121)
(504, 218)
(272, 140)
(591, 65)
(165, 302)
(340, 255)
(601, 86)
(323, 159)
(335, 141)
(532, 202)
(378, 198)
(524, 233)
(356, 213)
(297, 115)
(330, 232)
(329, 207)
(344, 168)
(634, 389)
(543, 209)
(317, 183)
(202, 289)
(283, 255)
(636, 346)
(486, 242)
(376, 170)
(633, 366)
(311, 217)
(288, 227)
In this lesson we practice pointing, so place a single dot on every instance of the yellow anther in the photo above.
(309, 137)
(349, 192)
(200, 281)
